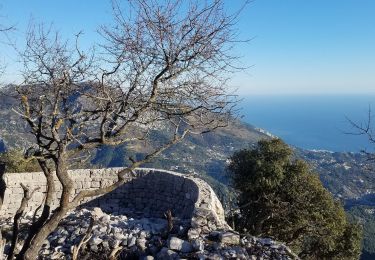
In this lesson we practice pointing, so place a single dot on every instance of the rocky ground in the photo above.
(148, 239)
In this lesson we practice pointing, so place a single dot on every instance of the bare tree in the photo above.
(163, 66)
(4, 30)
(366, 129)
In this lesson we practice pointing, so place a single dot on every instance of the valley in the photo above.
(348, 176)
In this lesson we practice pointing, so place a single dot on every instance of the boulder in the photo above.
(229, 238)
(141, 243)
(131, 241)
(167, 254)
(95, 240)
(97, 212)
(198, 245)
(194, 233)
(177, 244)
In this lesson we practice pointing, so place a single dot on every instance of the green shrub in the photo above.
(281, 197)
(15, 161)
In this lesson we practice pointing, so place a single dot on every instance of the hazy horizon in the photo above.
(311, 121)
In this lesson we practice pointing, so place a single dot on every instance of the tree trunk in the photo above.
(16, 225)
(37, 242)
(37, 225)
(31, 253)
(51, 224)
(2, 184)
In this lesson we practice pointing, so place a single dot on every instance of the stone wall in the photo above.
(147, 193)
(151, 194)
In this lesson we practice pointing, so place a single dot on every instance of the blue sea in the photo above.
(312, 121)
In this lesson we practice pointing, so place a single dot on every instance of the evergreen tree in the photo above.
(280, 197)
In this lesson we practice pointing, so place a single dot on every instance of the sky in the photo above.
(295, 47)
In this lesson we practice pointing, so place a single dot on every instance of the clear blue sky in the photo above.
(297, 46)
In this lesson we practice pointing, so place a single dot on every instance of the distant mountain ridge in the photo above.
(348, 176)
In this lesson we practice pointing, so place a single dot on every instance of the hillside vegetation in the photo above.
(282, 198)
(348, 176)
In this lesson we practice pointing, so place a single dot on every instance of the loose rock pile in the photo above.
(149, 238)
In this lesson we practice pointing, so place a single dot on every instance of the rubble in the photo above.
(148, 238)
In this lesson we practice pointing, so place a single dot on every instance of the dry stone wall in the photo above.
(199, 229)
(146, 193)
(151, 194)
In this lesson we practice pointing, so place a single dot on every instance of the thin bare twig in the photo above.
(84, 240)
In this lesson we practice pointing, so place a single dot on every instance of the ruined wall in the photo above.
(151, 194)
(148, 193)
(83, 179)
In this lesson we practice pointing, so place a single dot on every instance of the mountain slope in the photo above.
(348, 176)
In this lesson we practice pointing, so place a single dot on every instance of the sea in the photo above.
(313, 122)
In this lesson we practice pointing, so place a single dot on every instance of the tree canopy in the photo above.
(162, 65)
(282, 198)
